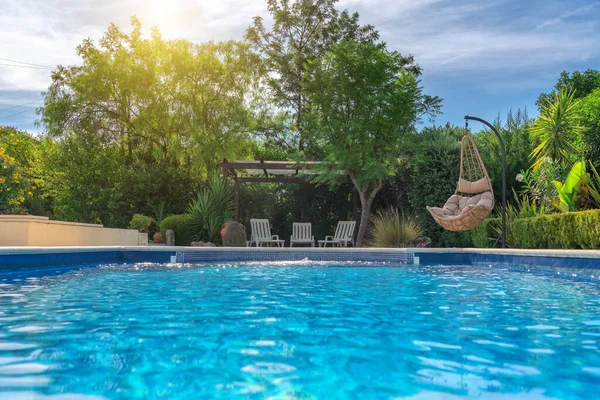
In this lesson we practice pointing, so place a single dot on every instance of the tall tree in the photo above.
(302, 30)
(363, 100)
(167, 110)
(590, 111)
(174, 102)
(583, 83)
(557, 128)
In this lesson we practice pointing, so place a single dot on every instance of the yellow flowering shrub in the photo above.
(15, 185)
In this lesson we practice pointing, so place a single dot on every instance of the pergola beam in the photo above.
(271, 179)
(293, 167)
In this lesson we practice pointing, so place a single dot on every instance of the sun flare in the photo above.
(166, 15)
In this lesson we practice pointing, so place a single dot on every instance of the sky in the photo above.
(483, 57)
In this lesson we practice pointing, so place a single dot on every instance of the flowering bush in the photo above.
(15, 186)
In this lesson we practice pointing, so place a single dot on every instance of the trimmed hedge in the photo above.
(486, 234)
(182, 226)
(571, 230)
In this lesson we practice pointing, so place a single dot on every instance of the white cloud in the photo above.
(47, 32)
(460, 37)
(492, 41)
(444, 35)
(563, 17)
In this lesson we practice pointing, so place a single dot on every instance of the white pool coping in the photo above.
(589, 254)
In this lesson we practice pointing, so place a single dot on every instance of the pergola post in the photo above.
(225, 166)
(236, 191)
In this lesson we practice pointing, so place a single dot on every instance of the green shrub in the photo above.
(571, 230)
(452, 239)
(434, 170)
(141, 223)
(211, 209)
(393, 229)
(181, 224)
(485, 235)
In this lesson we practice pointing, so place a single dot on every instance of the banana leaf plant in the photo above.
(577, 191)
(595, 186)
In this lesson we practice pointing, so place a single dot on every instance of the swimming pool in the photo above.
(303, 330)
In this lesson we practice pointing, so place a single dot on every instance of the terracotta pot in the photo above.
(157, 238)
(224, 230)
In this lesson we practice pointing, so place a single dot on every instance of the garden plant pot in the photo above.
(157, 238)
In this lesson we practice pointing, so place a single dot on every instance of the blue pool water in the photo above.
(298, 331)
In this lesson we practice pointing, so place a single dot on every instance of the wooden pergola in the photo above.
(262, 171)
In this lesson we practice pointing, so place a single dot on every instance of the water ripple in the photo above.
(297, 330)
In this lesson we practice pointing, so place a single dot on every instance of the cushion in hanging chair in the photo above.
(462, 213)
(480, 186)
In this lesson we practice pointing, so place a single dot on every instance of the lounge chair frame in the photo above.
(302, 234)
(344, 235)
(261, 233)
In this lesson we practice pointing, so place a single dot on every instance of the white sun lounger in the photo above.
(302, 234)
(344, 234)
(261, 233)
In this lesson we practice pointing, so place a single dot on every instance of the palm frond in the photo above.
(557, 128)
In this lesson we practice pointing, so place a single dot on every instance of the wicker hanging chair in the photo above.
(473, 199)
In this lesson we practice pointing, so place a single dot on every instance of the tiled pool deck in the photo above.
(584, 264)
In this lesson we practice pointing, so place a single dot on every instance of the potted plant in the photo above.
(141, 223)
(159, 215)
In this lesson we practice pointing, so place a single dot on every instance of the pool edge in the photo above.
(29, 256)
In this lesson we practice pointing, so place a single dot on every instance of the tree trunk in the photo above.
(366, 200)
(365, 218)
(300, 130)
(299, 127)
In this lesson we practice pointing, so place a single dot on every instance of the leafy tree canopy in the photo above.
(363, 100)
(169, 101)
(302, 30)
(142, 121)
(583, 83)
(18, 155)
(590, 111)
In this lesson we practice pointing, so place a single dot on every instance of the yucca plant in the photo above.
(159, 214)
(391, 228)
(211, 209)
(557, 128)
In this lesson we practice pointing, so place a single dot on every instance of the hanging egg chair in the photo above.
(473, 199)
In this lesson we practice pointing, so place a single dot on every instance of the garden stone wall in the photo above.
(28, 230)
